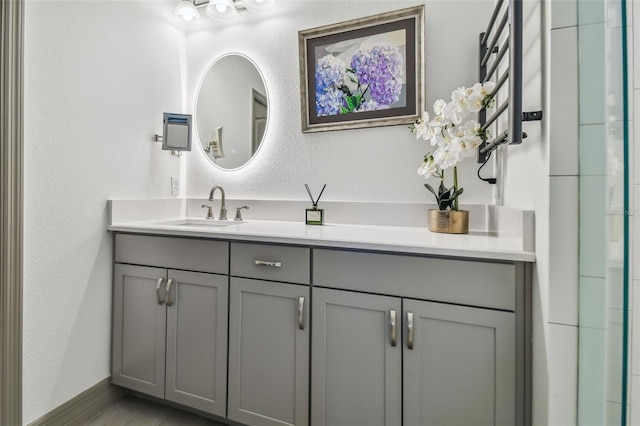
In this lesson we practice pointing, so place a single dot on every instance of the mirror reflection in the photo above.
(231, 111)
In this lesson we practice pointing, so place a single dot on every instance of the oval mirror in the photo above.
(231, 111)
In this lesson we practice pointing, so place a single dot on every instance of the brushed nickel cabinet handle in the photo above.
(158, 296)
(167, 290)
(410, 330)
(266, 263)
(393, 325)
(301, 313)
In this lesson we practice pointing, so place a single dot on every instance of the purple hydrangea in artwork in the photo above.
(371, 105)
(330, 73)
(372, 82)
(380, 68)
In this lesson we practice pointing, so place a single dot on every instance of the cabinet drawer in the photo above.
(270, 262)
(483, 284)
(176, 253)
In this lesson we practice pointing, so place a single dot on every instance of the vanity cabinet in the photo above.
(459, 365)
(418, 352)
(269, 335)
(170, 326)
(357, 359)
(274, 334)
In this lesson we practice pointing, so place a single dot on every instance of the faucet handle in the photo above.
(239, 212)
(209, 212)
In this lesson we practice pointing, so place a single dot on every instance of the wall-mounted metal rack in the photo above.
(504, 15)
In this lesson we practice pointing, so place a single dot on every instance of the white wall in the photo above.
(100, 73)
(377, 164)
(525, 184)
(98, 76)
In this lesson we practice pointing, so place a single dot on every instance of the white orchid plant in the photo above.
(453, 140)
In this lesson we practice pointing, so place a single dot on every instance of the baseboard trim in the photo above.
(84, 406)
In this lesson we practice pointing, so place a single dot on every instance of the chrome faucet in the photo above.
(223, 207)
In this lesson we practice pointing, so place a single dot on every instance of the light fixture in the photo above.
(259, 5)
(221, 9)
(187, 10)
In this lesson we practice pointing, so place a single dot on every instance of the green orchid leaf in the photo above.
(442, 189)
(457, 193)
(433, 191)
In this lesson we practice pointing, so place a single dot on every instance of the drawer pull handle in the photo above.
(167, 293)
(410, 330)
(158, 296)
(266, 263)
(393, 324)
(301, 313)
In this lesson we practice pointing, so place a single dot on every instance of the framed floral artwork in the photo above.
(363, 73)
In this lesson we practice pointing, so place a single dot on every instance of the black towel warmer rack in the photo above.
(511, 16)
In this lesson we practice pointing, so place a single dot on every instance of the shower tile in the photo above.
(592, 73)
(615, 287)
(593, 149)
(591, 380)
(590, 11)
(635, 332)
(635, 401)
(563, 262)
(592, 302)
(614, 355)
(636, 48)
(563, 374)
(635, 232)
(564, 14)
(634, 167)
(564, 102)
(592, 226)
(612, 14)
(613, 73)
(613, 414)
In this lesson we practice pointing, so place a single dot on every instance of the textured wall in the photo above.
(376, 164)
(98, 76)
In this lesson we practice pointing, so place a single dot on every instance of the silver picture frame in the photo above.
(339, 91)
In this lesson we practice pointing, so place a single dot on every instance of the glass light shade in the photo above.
(187, 10)
(259, 5)
(221, 9)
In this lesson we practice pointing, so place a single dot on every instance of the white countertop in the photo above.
(366, 237)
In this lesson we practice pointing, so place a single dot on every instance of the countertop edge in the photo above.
(465, 253)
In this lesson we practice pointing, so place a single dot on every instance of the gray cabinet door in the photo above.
(461, 369)
(139, 328)
(196, 374)
(356, 369)
(268, 353)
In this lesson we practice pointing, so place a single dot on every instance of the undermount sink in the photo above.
(201, 222)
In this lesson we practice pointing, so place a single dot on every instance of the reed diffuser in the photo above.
(314, 215)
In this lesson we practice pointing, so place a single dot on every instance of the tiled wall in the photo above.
(633, 34)
(586, 176)
(593, 374)
(601, 194)
(563, 213)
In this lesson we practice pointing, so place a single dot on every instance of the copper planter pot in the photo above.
(449, 221)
